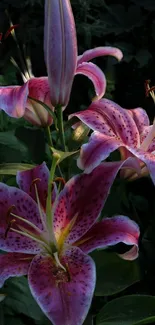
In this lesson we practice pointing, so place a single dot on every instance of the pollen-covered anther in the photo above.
(33, 183)
(60, 180)
(9, 227)
(8, 214)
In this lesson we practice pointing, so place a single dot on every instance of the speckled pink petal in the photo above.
(148, 158)
(13, 200)
(35, 113)
(38, 176)
(109, 232)
(65, 297)
(100, 51)
(96, 75)
(144, 134)
(140, 117)
(13, 100)
(96, 150)
(109, 118)
(13, 264)
(74, 199)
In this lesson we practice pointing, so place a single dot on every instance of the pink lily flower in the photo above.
(62, 63)
(118, 128)
(61, 275)
(15, 101)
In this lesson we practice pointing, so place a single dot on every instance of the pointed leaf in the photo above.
(128, 310)
(10, 140)
(110, 282)
(12, 169)
(19, 299)
(63, 155)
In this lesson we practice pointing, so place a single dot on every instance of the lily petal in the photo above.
(35, 113)
(109, 118)
(148, 158)
(96, 150)
(13, 99)
(13, 264)
(38, 176)
(99, 148)
(140, 117)
(96, 75)
(75, 213)
(109, 232)
(100, 51)
(64, 296)
(13, 200)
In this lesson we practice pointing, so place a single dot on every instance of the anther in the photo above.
(8, 215)
(33, 183)
(9, 227)
(61, 180)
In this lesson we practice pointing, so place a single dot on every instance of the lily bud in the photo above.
(60, 49)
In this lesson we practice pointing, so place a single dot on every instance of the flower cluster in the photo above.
(47, 233)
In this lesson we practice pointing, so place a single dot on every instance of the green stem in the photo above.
(49, 212)
(61, 126)
(48, 135)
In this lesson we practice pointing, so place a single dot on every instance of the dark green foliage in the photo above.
(129, 25)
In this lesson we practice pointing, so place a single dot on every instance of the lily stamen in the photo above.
(27, 222)
(38, 200)
(58, 261)
(27, 234)
(8, 228)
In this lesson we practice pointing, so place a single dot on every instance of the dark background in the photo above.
(129, 25)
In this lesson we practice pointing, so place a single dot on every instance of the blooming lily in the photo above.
(61, 275)
(118, 128)
(62, 63)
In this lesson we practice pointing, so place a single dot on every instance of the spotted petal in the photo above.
(34, 112)
(13, 200)
(148, 158)
(34, 178)
(64, 296)
(109, 118)
(75, 212)
(96, 75)
(140, 117)
(13, 99)
(109, 232)
(13, 264)
(100, 51)
(98, 149)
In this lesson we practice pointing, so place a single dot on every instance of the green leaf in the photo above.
(11, 168)
(128, 310)
(110, 282)
(13, 321)
(9, 139)
(19, 299)
(63, 155)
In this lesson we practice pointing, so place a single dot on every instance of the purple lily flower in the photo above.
(61, 276)
(118, 128)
